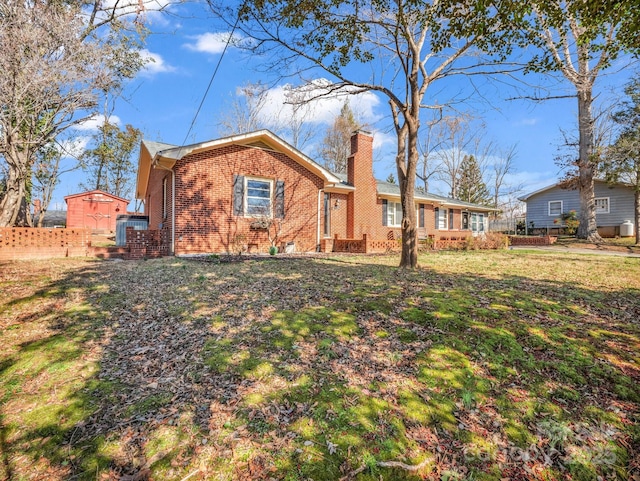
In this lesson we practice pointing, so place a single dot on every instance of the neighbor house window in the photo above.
(555, 207)
(477, 222)
(602, 205)
(442, 218)
(394, 214)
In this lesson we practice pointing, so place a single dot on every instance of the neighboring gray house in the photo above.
(52, 218)
(614, 206)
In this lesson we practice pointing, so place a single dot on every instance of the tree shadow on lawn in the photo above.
(310, 369)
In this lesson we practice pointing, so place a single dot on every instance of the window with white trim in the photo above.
(477, 222)
(258, 197)
(602, 205)
(442, 218)
(394, 214)
(555, 207)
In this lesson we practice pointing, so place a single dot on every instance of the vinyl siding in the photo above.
(620, 205)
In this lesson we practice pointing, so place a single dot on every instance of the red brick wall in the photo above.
(153, 203)
(205, 221)
(364, 215)
(338, 215)
(42, 243)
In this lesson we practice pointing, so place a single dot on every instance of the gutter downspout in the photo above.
(318, 246)
(173, 207)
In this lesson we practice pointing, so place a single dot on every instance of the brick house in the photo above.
(95, 210)
(255, 190)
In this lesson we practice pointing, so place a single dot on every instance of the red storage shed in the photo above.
(95, 210)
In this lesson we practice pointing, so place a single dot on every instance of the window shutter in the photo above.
(238, 195)
(436, 212)
(384, 212)
(420, 215)
(450, 219)
(279, 204)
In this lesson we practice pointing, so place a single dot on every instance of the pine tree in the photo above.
(622, 162)
(471, 186)
(336, 145)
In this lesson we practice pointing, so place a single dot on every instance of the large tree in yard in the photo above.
(397, 48)
(56, 57)
(579, 40)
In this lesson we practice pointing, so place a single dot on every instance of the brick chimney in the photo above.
(362, 209)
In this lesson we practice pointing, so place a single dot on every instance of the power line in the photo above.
(213, 76)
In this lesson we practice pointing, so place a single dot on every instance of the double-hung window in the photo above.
(555, 207)
(442, 218)
(258, 197)
(394, 214)
(477, 222)
(602, 205)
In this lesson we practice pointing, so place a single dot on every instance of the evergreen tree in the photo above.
(622, 163)
(109, 163)
(336, 145)
(471, 186)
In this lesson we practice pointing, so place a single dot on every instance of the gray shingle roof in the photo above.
(386, 188)
(154, 147)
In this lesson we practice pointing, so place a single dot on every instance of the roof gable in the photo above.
(526, 197)
(98, 193)
(165, 155)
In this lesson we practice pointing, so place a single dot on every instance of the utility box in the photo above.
(138, 222)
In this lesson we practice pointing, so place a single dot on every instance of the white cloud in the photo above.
(93, 123)
(146, 11)
(527, 121)
(213, 43)
(75, 147)
(319, 109)
(384, 139)
(154, 63)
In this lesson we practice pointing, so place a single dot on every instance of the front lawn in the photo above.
(477, 366)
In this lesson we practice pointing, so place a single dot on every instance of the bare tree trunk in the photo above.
(13, 208)
(409, 257)
(587, 229)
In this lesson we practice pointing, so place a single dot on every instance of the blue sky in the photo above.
(187, 44)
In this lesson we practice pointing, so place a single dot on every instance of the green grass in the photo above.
(322, 368)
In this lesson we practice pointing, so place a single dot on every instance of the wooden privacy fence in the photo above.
(42, 243)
